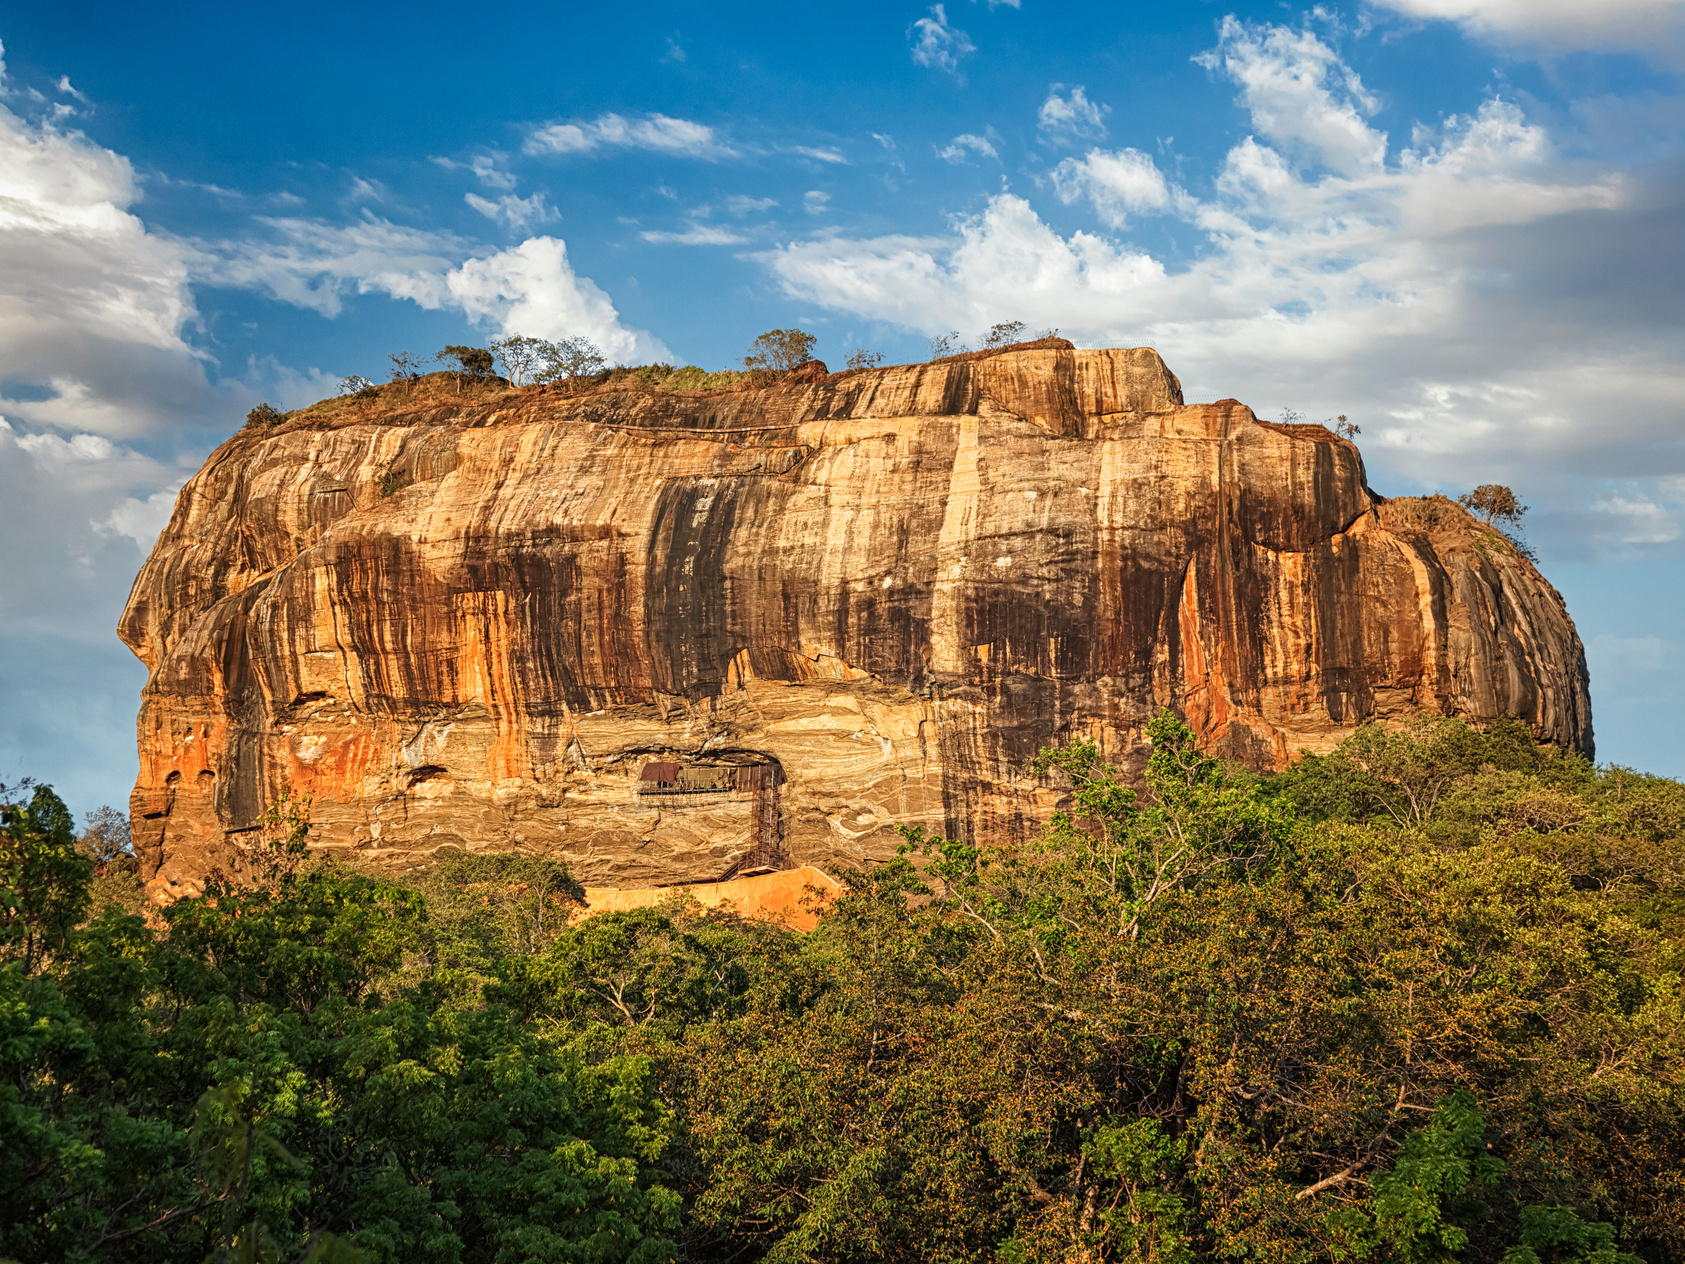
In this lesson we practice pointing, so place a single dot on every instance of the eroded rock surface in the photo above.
(473, 622)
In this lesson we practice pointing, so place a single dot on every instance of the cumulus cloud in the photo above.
(1652, 28)
(955, 150)
(1299, 94)
(1065, 120)
(658, 133)
(1471, 301)
(1118, 184)
(937, 45)
(531, 289)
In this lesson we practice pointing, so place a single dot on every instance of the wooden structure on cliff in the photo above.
(671, 782)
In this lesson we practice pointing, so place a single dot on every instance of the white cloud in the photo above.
(290, 388)
(487, 171)
(655, 132)
(79, 449)
(531, 289)
(1653, 28)
(827, 154)
(92, 305)
(142, 519)
(939, 46)
(1300, 94)
(1065, 120)
(741, 204)
(77, 514)
(955, 150)
(310, 263)
(1463, 300)
(1643, 515)
(1118, 184)
(695, 235)
(816, 202)
(516, 212)
(102, 486)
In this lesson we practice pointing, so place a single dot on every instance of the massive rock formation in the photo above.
(834, 605)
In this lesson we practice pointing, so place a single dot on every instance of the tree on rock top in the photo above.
(1494, 503)
(473, 363)
(780, 349)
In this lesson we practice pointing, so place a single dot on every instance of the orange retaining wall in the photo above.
(772, 897)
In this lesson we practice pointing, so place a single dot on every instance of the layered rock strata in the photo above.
(870, 597)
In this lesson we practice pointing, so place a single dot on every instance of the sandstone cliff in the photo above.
(833, 605)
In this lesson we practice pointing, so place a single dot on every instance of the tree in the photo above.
(944, 345)
(355, 384)
(471, 363)
(519, 355)
(1346, 429)
(1201, 822)
(780, 350)
(263, 417)
(1494, 503)
(406, 368)
(43, 881)
(570, 358)
(1003, 335)
(863, 359)
(105, 835)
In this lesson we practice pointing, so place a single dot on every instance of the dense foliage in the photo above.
(1416, 1000)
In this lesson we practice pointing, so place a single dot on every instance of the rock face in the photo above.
(834, 606)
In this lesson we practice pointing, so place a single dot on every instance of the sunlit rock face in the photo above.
(474, 621)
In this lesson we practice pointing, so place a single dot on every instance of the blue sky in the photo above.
(1455, 221)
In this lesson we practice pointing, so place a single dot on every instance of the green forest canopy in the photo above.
(1417, 1000)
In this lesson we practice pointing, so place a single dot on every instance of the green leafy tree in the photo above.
(256, 1083)
(264, 417)
(1494, 503)
(569, 359)
(519, 355)
(472, 364)
(43, 881)
(779, 350)
(1200, 821)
